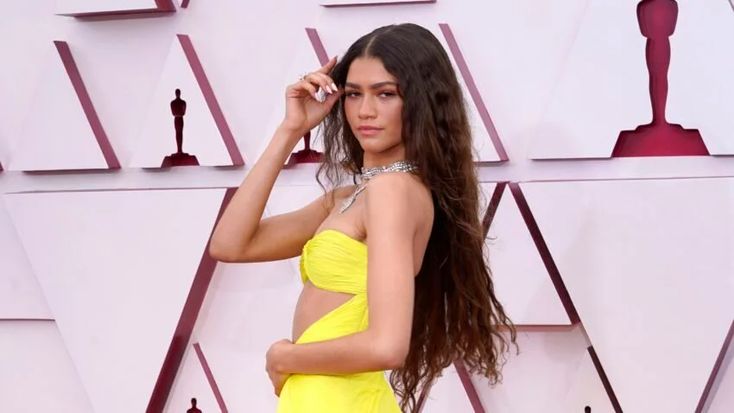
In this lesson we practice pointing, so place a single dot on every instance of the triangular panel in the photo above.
(118, 289)
(191, 382)
(629, 260)
(20, 295)
(602, 90)
(205, 132)
(62, 129)
(37, 374)
(553, 373)
(700, 79)
(522, 282)
(487, 143)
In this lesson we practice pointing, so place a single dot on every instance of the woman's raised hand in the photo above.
(303, 109)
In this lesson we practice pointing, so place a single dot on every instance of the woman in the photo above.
(393, 116)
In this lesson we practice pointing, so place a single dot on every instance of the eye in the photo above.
(351, 93)
(387, 93)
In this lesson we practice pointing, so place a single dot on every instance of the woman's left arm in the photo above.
(392, 223)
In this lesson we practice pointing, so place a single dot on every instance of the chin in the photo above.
(375, 148)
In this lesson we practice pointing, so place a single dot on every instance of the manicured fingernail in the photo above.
(334, 86)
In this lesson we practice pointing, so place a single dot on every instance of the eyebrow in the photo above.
(372, 86)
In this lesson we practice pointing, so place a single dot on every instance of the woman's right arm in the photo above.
(240, 234)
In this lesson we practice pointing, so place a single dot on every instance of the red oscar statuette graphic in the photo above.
(193, 408)
(179, 158)
(657, 19)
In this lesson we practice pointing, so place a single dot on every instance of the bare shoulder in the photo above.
(400, 193)
(397, 182)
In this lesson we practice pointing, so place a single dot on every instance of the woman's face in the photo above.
(373, 106)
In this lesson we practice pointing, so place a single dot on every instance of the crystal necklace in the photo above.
(369, 173)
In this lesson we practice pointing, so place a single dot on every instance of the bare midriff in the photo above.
(314, 303)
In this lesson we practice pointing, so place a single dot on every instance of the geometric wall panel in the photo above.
(487, 145)
(62, 129)
(701, 85)
(521, 280)
(20, 295)
(447, 394)
(117, 291)
(309, 55)
(209, 376)
(552, 374)
(602, 90)
(343, 3)
(721, 398)
(205, 131)
(37, 374)
(486, 192)
(85, 8)
(648, 265)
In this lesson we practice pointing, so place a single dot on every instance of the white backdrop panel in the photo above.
(721, 398)
(117, 291)
(603, 89)
(447, 394)
(20, 294)
(23, 62)
(56, 133)
(648, 265)
(521, 281)
(504, 44)
(369, 2)
(37, 374)
(303, 60)
(701, 64)
(484, 150)
(201, 137)
(552, 374)
(191, 382)
(99, 6)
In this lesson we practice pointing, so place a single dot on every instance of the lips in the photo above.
(369, 130)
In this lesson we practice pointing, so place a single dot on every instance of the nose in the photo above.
(367, 107)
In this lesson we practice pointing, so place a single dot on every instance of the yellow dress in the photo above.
(336, 262)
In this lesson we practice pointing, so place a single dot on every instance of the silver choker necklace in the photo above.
(371, 172)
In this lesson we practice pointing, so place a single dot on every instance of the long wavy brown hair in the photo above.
(456, 313)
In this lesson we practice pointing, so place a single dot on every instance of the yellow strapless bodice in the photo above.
(334, 261)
